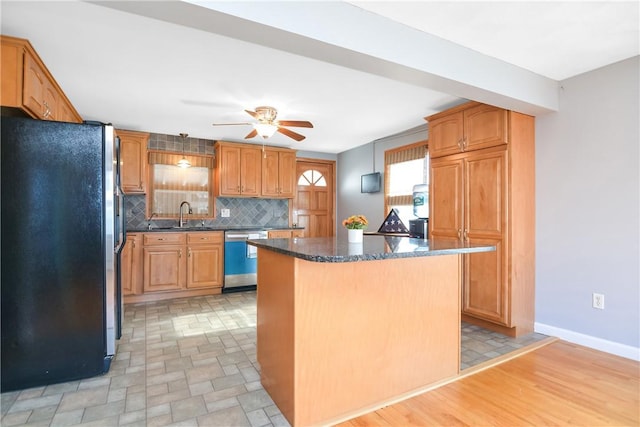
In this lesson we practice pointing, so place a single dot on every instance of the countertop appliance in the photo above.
(419, 228)
(62, 231)
(240, 259)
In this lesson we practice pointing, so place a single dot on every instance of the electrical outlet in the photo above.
(225, 213)
(598, 301)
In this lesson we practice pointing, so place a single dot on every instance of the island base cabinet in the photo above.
(337, 339)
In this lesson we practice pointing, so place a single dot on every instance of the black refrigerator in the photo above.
(62, 227)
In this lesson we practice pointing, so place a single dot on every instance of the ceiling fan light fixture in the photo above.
(265, 130)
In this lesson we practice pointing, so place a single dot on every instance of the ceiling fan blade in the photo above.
(251, 134)
(252, 114)
(229, 124)
(295, 123)
(291, 134)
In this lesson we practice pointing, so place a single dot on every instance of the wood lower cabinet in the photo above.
(285, 234)
(205, 260)
(28, 86)
(133, 161)
(488, 196)
(164, 261)
(177, 265)
(131, 265)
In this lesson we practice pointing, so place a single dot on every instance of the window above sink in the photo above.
(170, 185)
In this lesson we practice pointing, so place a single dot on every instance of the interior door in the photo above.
(313, 204)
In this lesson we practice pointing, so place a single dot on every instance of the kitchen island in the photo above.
(345, 328)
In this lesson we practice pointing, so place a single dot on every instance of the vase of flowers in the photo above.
(355, 226)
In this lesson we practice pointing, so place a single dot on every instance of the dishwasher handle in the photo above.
(236, 236)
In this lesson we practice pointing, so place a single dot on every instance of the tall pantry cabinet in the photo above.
(482, 190)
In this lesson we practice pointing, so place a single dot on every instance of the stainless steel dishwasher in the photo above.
(240, 259)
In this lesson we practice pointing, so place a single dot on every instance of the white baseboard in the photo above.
(612, 347)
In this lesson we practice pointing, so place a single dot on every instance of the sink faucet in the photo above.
(149, 220)
(182, 220)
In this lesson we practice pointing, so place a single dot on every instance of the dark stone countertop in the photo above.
(206, 228)
(333, 249)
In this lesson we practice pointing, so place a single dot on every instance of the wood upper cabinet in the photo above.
(487, 195)
(28, 86)
(131, 265)
(278, 173)
(205, 260)
(471, 126)
(238, 170)
(133, 161)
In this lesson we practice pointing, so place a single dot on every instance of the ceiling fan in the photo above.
(267, 124)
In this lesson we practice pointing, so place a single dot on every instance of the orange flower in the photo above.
(356, 222)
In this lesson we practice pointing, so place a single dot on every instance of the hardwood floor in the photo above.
(557, 384)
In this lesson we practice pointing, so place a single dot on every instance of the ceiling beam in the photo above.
(345, 35)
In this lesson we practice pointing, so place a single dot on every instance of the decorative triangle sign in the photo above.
(393, 224)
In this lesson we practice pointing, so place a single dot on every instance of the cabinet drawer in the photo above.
(280, 234)
(164, 239)
(214, 237)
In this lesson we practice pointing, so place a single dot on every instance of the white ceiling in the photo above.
(358, 70)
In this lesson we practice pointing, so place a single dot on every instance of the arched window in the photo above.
(312, 177)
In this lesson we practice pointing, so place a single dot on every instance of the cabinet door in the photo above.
(270, 173)
(287, 174)
(446, 204)
(133, 161)
(228, 171)
(297, 233)
(251, 171)
(33, 86)
(131, 265)
(125, 267)
(485, 293)
(445, 135)
(204, 266)
(485, 189)
(485, 126)
(49, 101)
(164, 268)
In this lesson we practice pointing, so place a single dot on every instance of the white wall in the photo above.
(587, 195)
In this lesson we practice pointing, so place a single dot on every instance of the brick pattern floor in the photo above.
(187, 362)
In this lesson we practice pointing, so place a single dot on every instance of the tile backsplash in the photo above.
(249, 212)
(244, 211)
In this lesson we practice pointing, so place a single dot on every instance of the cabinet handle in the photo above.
(459, 234)
(460, 145)
(464, 143)
(238, 188)
(161, 238)
(189, 253)
(466, 234)
(179, 253)
(204, 238)
(133, 244)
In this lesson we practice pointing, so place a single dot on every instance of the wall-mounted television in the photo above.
(370, 183)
